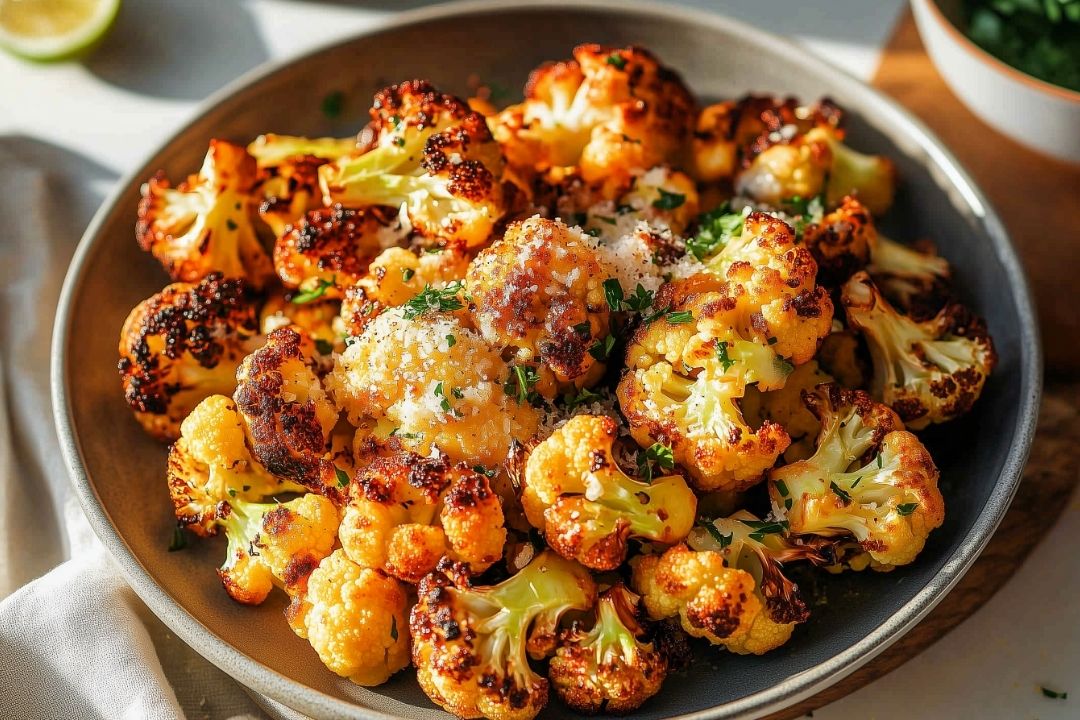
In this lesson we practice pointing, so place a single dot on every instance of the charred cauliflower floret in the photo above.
(786, 408)
(431, 155)
(711, 600)
(204, 225)
(423, 376)
(470, 644)
(609, 112)
(407, 511)
(211, 464)
(288, 415)
(274, 544)
(587, 507)
(289, 175)
(916, 279)
(328, 250)
(355, 618)
(841, 243)
(608, 669)
(183, 345)
(928, 372)
(869, 478)
(396, 276)
(539, 291)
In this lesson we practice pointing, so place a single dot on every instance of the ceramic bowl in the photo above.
(119, 472)
(1035, 113)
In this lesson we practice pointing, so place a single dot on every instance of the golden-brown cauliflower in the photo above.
(430, 154)
(587, 507)
(355, 618)
(610, 111)
(608, 669)
(539, 292)
(204, 225)
(288, 416)
(869, 478)
(424, 376)
(183, 345)
(318, 319)
(928, 372)
(407, 511)
(711, 600)
(786, 408)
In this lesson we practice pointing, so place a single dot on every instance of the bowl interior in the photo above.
(125, 469)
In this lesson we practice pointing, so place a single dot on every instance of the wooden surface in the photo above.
(1038, 198)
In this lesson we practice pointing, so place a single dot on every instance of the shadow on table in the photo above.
(179, 50)
(50, 197)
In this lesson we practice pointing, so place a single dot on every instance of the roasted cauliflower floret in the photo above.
(539, 291)
(289, 175)
(588, 508)
(928, 372)
(431, 155)
(662, 198)
(211, 464)
(329, 249)
(841, 243)
(274, 544)
(786, 408)
(288, 415)
(407, 511)
(869, 478)
(421, 374)
(608, 669)
(183, 345)
(355, 618)
(470, 644)
(916, 279)
(318, 319)
(711, 600)
(610, 112)
(204, 225)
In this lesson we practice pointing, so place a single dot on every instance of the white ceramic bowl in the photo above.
(1036, 114)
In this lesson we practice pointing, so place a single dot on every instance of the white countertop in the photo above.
(165, 56)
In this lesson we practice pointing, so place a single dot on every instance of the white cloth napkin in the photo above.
(76, 643)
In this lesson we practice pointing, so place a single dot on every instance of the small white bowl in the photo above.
(1035, 113)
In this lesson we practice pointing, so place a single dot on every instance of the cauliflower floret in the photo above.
(289, 175)
(396, 276)
(540, 292)
(328, 250)
(610, 112)
(318, 319)
(183, 345)
(664, 199)
(470, 643)
(210, 463)
(918, 281)
(274, 543)
(355, 618)
(288, 415)
(928, 372)
(711, 600)
(786, 408)
(431, 155)
(424, 376)
(588, 508)
(406, 511)
(205, 224)
(869, 478)
(841, 242)
(608, 669)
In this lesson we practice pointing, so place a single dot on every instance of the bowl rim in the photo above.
(997, 65)
(301, 697)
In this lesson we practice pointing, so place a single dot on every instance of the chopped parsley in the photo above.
(434, 300)
(601, 349)
(640, 300)
(783, 366)
(655, 315)
(451, 341)
(715, 230)
(719, 537)
(657, 453)
(584, 395)
(315, 293)
(680, 317)
(614, 293)
(399, 141)
(1053, 694)
(844, 496)
(407, 274)
(231, 225)
(444, 401)
(668, 200)
(333, 103)
(458, 393)
(485, 471)
(393, 628)
(906, 509)
(879, 461)
(232, 492)
(179, 540)
(722, 355)
(325, 347)
(521, 383)
(761, 528)
(616, 60)
(342, 477)
(781, 487)
(583, 329)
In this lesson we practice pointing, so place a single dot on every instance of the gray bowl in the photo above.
(118, 472)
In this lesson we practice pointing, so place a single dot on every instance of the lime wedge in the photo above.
(54, 29)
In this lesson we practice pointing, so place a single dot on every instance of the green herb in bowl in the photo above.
(1038, 37)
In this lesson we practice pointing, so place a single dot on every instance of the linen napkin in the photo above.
(76, 643)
